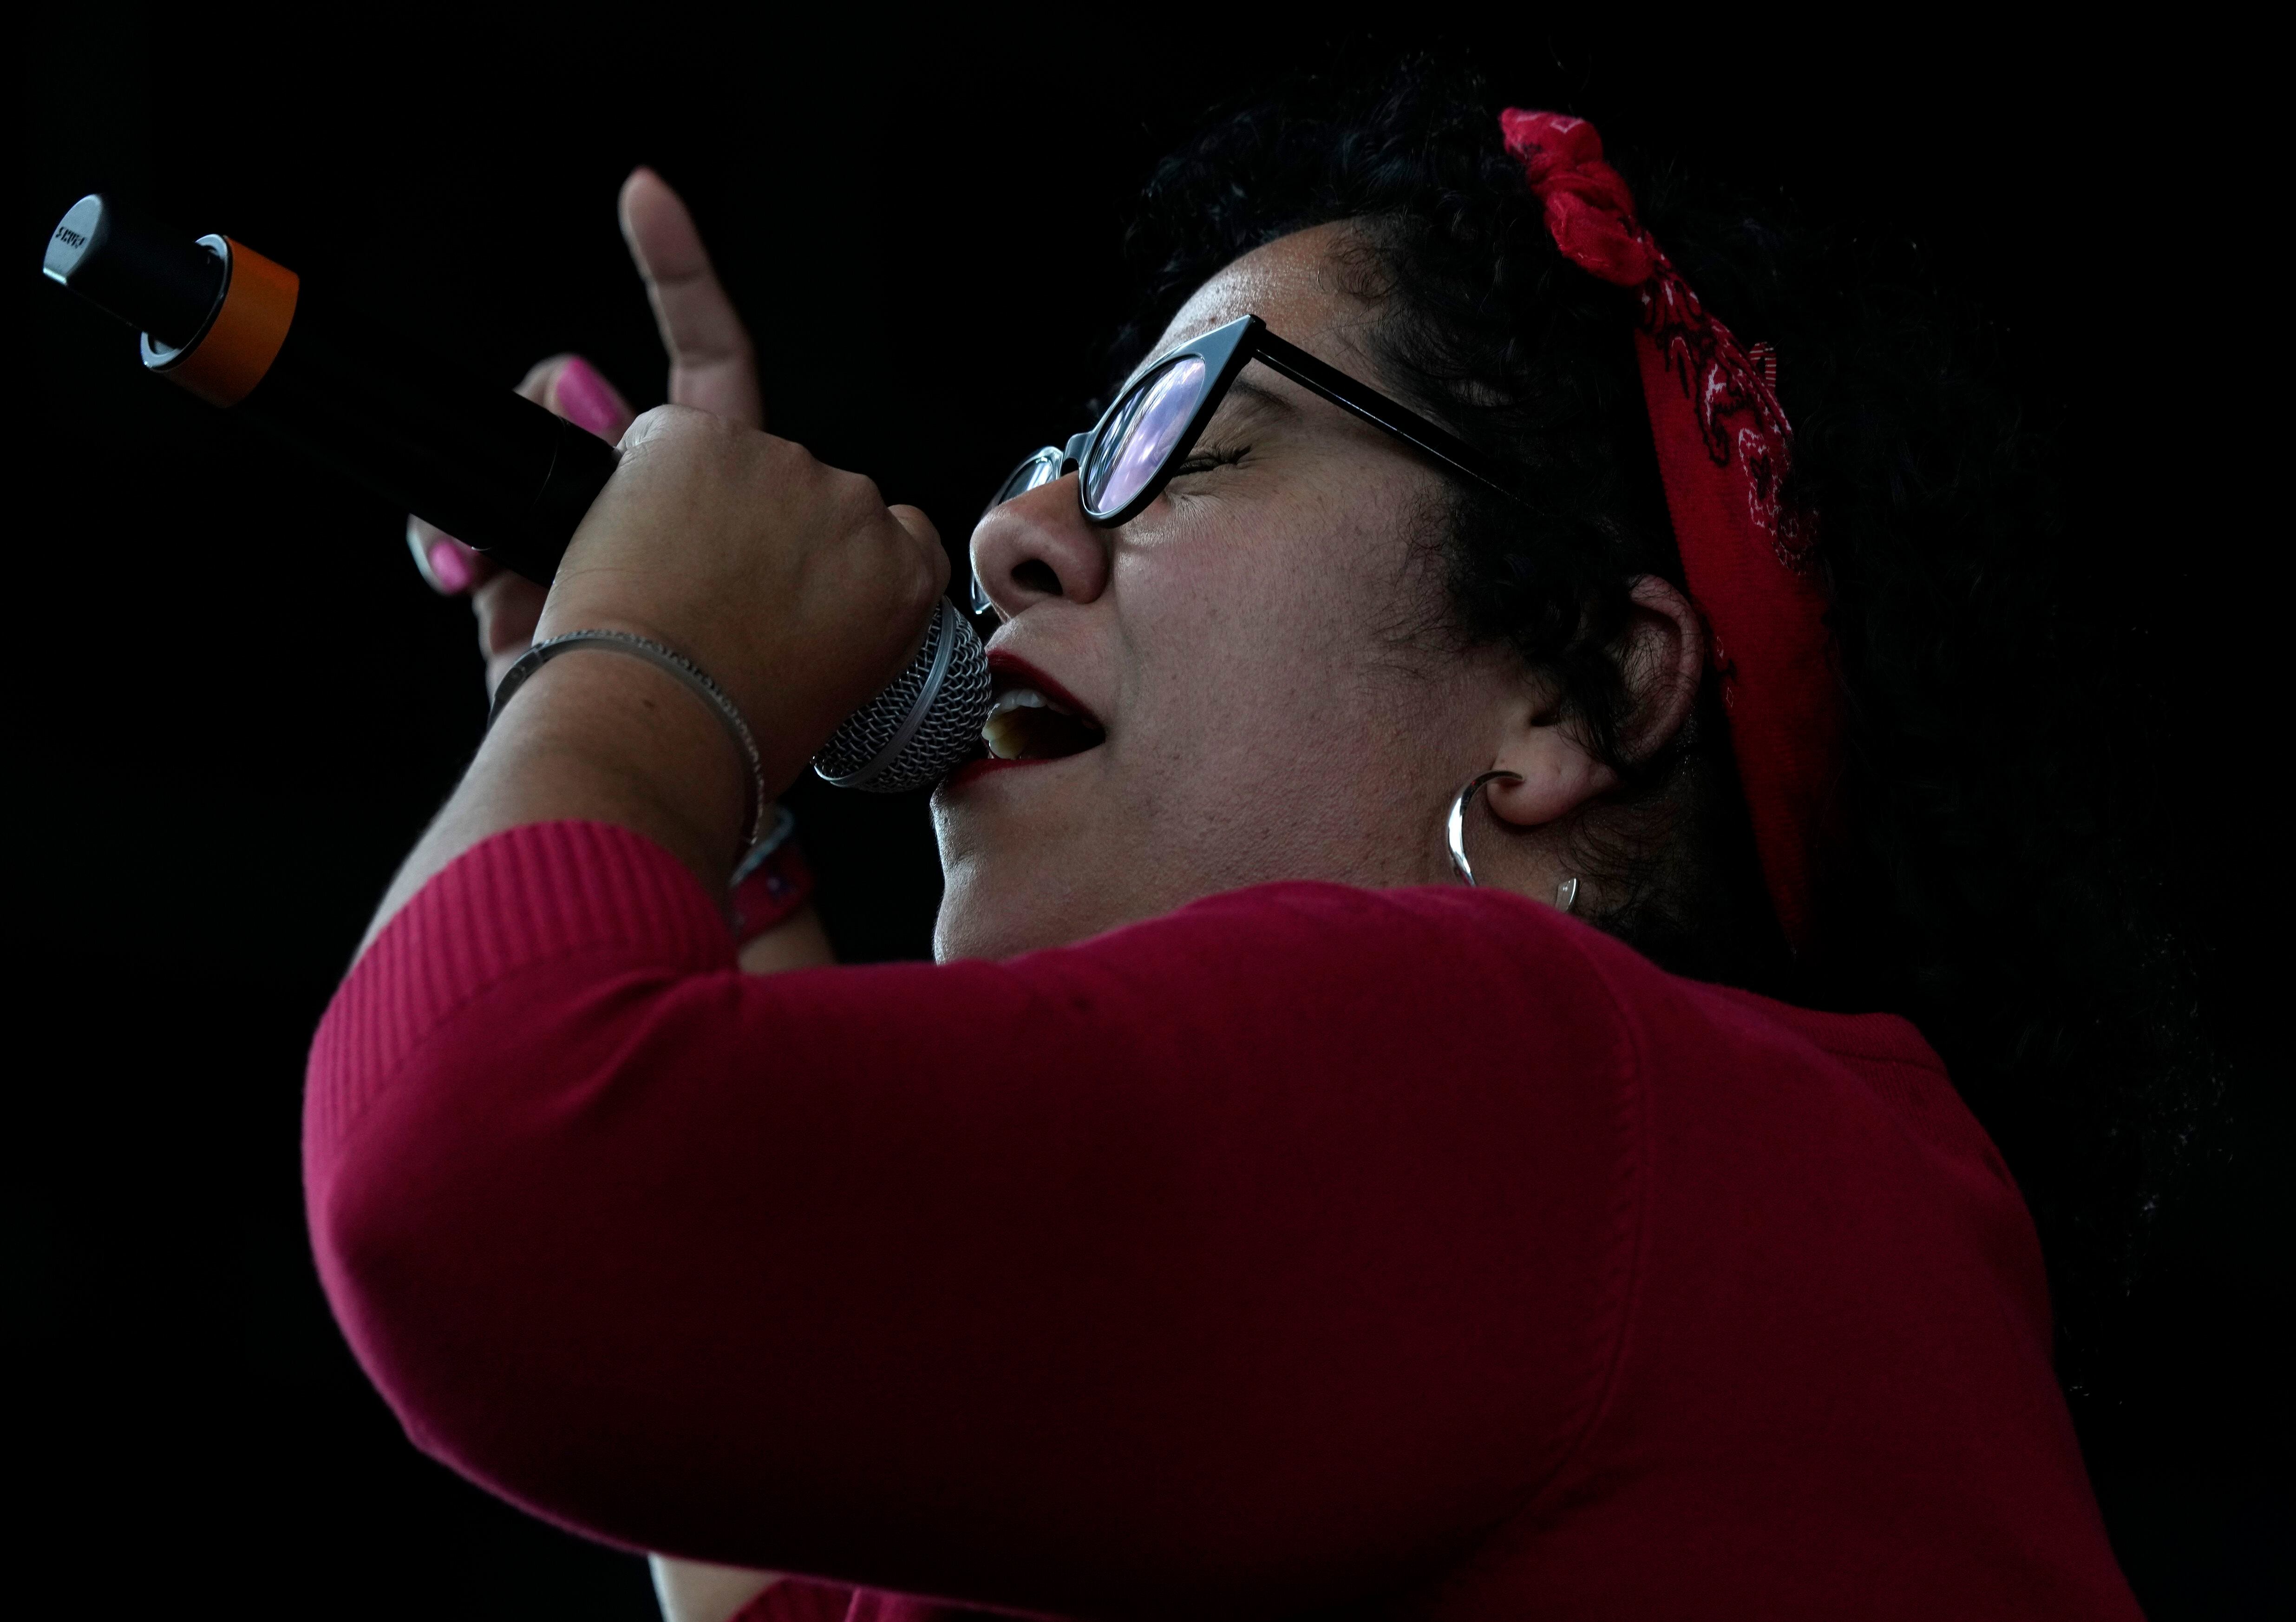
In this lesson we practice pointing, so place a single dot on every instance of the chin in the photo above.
(981, 918)
(1003, 892)
(1004, 895)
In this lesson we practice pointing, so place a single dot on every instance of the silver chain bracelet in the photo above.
(664, 658)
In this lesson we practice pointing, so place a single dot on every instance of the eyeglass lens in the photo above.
(1039, 469)
(1128, 454)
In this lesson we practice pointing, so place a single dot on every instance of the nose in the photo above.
(1037, 547)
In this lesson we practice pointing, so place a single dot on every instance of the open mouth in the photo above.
(1032, 719)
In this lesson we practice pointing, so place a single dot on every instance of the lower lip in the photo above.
(972, 771)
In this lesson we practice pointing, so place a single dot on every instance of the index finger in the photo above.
(712, 366)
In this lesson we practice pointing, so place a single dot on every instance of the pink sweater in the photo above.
(1422, 1251)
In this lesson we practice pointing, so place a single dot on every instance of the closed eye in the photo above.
(1203, 458)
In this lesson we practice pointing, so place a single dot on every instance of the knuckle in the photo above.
(788, 450)
(657, 422)
(856, 494)
(677, 433)
(924, 580)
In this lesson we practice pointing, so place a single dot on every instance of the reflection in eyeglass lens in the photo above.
(1038, 469)
(1125, 456)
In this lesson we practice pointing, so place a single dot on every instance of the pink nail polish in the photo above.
(450, 565)
(589, 401)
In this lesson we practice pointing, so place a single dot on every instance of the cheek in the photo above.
(1257, 645)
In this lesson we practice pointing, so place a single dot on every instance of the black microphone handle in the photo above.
(490, 467)
(383, 406)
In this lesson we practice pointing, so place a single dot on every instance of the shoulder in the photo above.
(1451, 958)
(1521, 950)
(1539, 983)
(1449, 924)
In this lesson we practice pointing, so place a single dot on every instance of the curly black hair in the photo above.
(1984, 893)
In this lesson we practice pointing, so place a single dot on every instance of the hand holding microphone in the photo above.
(712, 368)
(739, 547)
(790, 581)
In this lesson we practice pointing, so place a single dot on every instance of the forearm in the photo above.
(798, 941)
(595, 737)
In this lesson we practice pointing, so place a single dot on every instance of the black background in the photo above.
(237, 704)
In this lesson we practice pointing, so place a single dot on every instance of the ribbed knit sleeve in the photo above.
(539, 894)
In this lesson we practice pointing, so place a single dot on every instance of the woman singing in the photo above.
(1419, 1111)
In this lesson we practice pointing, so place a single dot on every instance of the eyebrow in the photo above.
(1262, 397)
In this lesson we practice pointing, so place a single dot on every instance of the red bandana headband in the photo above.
(1723, 448)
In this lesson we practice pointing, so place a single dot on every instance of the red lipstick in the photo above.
(1009, 670)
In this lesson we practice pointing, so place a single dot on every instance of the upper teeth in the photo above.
(1023, 698)
(1008, 740)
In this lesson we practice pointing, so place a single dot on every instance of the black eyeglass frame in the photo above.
(1225, 351)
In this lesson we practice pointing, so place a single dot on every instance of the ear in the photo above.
(1664, 659)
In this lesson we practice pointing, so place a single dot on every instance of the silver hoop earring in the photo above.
(1566, 893)
(1455, 827)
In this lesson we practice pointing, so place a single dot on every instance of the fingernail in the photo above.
(449, 565)
(588, 400)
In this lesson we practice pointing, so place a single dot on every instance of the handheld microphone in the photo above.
(484, 464)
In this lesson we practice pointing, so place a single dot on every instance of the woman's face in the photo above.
(1261, 650)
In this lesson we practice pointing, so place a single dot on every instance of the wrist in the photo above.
(599, 741)
(697, 681)
(612, 739)
(773, 883)
(758, 689)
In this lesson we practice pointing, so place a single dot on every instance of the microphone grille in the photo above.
(911, 734)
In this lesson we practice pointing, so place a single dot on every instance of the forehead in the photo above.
(1294, 285)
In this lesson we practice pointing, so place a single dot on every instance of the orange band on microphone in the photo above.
(242, 340)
